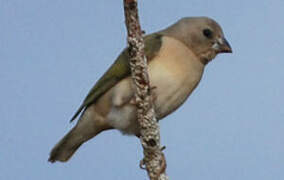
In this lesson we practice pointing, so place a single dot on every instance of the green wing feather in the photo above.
(119, 70)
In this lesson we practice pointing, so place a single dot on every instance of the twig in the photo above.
(154, 159)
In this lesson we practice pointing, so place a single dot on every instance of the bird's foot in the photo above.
(163, 163)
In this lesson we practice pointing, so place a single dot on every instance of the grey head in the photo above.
(202, 35)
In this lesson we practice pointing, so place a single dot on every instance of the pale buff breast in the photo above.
(175, 72)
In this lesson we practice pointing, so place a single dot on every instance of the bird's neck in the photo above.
(206, 57)
(204, 61)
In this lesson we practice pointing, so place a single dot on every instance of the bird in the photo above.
(176, 58)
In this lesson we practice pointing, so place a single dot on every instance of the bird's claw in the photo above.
(163, 164)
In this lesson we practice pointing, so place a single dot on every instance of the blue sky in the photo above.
(52, 52)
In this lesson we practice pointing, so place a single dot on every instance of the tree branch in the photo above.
(154, 159)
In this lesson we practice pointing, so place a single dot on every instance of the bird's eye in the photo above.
(208, 33)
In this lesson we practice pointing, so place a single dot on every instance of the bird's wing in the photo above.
(119, 70)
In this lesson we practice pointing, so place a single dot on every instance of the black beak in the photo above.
(225, 47)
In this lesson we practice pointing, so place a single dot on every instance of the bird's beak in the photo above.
(222, 46)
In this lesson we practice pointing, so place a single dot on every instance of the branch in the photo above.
(154, 159)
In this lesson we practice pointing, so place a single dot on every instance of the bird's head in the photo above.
(202, 35)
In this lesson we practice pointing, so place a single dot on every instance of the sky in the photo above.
(53, 52)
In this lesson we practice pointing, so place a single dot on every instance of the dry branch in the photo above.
(154, 159)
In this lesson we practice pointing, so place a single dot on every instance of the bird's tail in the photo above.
(89, 125)
(66, 147)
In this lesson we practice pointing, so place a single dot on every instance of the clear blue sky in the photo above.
(52, 52)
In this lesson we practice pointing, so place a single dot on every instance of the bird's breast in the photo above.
(175, 72)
